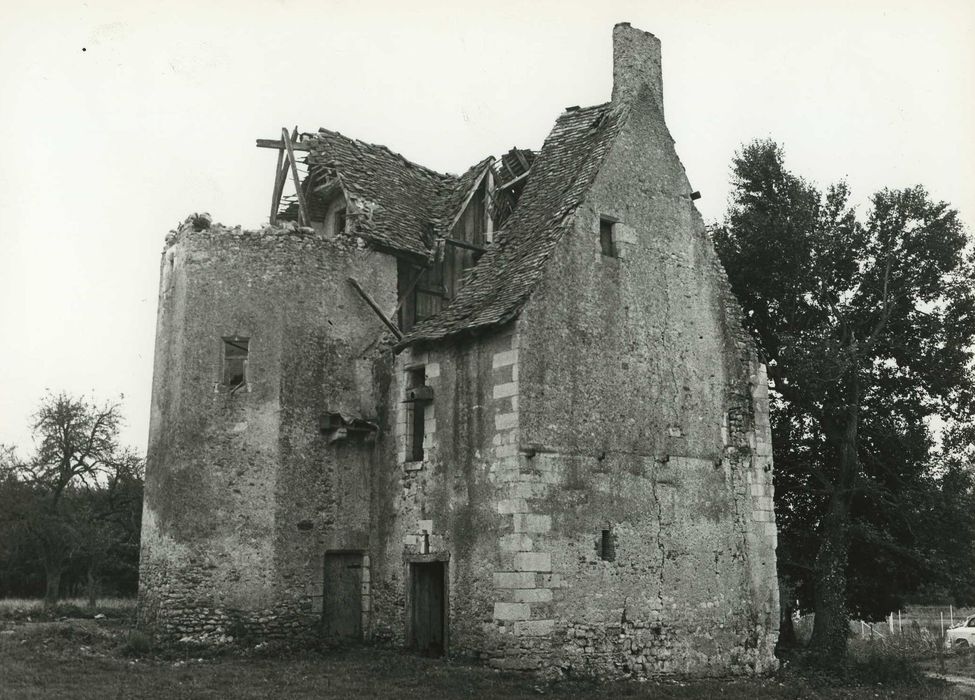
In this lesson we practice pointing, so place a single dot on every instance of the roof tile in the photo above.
(391, 201)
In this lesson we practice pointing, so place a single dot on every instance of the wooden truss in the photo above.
(287, 163)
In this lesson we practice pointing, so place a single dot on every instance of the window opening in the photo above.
(415, 415)
(235, 362)
(606, 246)
(607, 547)
(340, 216)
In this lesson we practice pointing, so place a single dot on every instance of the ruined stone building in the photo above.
(510, 414)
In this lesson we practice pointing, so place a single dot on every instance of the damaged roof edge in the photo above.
(462, 335)
(505, 278)
(484, 166)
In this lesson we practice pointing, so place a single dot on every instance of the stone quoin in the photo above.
(511, 414)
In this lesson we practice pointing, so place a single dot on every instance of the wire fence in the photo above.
(928, 623)
(927, 620)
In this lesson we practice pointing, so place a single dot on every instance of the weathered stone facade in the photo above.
(586, 465)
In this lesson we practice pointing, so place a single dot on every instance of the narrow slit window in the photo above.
(235, 362)
(340, 221)
(607, 547)
(606, 246)
(415, 417)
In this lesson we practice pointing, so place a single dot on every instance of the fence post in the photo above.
(900, 624)
(951, 614)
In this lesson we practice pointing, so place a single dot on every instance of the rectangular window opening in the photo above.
(235, 362)
(607, 546)
(415, 416)
(606, 246)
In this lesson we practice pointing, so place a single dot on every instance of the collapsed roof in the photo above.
(392, 202)
(397, 205)
(497, 288)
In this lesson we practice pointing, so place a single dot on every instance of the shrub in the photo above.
(137, 643)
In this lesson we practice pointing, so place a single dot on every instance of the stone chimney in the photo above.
(636, 64)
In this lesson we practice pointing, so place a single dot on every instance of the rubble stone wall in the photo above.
(244, 494)
(450, 507)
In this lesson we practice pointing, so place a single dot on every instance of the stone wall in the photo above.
(596, 475)
(244, 493)
(449, 506)
(644, 413)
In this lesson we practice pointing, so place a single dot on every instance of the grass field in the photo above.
(85, 659)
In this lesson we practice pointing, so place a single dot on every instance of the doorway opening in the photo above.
(342, 599)
(427, 632)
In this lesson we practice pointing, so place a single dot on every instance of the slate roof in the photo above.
(390, 201)
(500, 284)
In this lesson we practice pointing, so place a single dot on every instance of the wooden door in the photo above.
(429, 608)
(342, 605)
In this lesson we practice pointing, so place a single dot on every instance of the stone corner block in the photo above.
(527, 522)
(512, 611)
(533, 561)
(514, 579)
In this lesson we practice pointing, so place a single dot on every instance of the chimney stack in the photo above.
(636, 64)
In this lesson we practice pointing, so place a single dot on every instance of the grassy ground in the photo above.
(104, 658)
(955, 663)
(32, 609)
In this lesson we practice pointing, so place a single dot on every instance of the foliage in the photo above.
(866, 326)
(72, 507)
(137, 643)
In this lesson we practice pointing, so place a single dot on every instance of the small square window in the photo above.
(607, 546)
(235, 362)
(606, 238)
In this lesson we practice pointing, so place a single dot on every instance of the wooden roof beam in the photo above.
(280, 175)
(375, 307)
(515, 181)
(279, 144)
(302, 205)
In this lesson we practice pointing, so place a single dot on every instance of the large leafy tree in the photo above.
(866, 327)
(76, 497)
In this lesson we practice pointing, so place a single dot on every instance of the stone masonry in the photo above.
(561, 463)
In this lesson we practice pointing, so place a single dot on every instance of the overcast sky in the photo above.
(117, 119)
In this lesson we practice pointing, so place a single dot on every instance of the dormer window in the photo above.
(333, 213)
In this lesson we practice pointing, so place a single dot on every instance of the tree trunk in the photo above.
(52, 593)
(92, 588)
(787, 630)
(831, 624)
